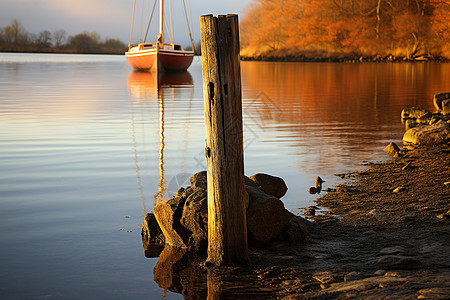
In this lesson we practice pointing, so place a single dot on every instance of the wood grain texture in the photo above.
(227, 226)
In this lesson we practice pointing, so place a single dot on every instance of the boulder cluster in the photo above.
(424, 128)
(182, 221)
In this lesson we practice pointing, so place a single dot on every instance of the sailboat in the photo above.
(159, 56)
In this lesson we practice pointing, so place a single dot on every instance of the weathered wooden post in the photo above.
(227, 225)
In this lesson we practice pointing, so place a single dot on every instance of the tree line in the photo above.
(15, 38)
(406, 29)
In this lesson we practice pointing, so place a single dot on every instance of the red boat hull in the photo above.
(160, 59)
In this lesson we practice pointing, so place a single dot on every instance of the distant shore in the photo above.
(343, 59)
(60, 51)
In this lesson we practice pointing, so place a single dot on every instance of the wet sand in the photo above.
(377, 242)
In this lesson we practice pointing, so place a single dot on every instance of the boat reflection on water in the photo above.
(144, 87)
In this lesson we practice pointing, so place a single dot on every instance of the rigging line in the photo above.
(189, 27)
(141, 24)
(168, 32)
(171, 18)
(132, 24)
(150, 21)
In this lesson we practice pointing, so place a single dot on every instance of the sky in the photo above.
(109, 18)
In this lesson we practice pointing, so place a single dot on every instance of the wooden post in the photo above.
(227, 224)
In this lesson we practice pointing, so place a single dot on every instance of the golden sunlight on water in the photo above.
(337, 114)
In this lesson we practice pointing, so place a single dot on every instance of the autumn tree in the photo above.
(346, 27)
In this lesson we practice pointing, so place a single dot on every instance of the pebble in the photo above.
(380, 272)
(392, 250)
(369, 232)
(310, 212)
(408, 217)
(391, 274)
(399, 189)
(376, 212)
(406, 166)
(396, 261)
(352, 276)
(324, 285)
(445, 216)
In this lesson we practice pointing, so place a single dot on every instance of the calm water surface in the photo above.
(86, 146)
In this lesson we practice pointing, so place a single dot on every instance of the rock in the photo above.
(438, 98)
(411, 123)
(312, 190)
(152, 237)
(318, 182)
(414, 113)
(398, 261)
(296, 231)
(271, 185)
(430, 135)
(446, 107)
(168, 215)
(392, 250)
(392, 150)
(399, 189)
(369, 232)
(195, 218)
(352, 276)
(198, 180)
(361, 285)
(445, 216)
(249, 182)
(266, 216)
(391, 274)
(376, 212)
(380, 272)
(310, 211)
(435, 293)
(425, 119)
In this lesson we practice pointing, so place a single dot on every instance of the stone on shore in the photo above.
(183, 220)
(439, 98)
(446, 107)
(266, 216)
(415, 113)
(430, 135)
(168, 214)
(392, 150)
(271, 185)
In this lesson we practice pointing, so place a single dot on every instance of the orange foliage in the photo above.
(345, 27)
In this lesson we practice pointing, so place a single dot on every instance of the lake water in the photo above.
(87, 145)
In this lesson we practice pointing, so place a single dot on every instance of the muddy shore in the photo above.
(386, 234)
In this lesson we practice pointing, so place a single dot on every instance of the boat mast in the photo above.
(161, 22)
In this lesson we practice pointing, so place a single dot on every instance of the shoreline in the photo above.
(347, 59)
(376, 240)
(370, 243)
